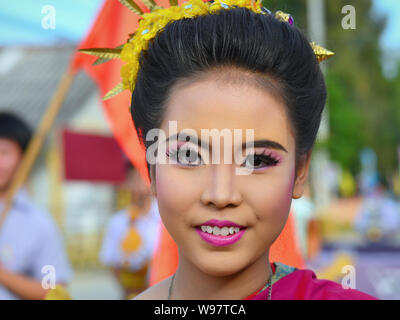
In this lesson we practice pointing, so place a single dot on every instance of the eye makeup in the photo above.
(184, 154)
(261, 159)
(187, 155)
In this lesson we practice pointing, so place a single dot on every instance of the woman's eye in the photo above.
(257, 161)
(186, 157)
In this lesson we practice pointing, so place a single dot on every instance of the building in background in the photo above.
(28, 78)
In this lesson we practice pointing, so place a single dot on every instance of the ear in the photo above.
(153, 180)
(302, 173)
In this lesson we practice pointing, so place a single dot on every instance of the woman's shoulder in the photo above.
(159, 291)
(322, 289)
(307, 286)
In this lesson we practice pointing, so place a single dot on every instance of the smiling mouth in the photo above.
(220, 231)
(218, 237)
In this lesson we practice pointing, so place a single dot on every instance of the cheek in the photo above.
(283, 193)
(176, 192)
(9, 163)
(271, 198)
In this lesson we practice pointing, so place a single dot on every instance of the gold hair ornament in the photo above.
(154, 21)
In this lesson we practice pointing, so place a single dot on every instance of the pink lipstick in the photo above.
(220, 240)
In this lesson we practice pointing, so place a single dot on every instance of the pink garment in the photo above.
(302, 284)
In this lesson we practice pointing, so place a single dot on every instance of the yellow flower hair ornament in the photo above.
(154, 21)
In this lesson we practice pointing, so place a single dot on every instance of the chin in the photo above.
(225, 267)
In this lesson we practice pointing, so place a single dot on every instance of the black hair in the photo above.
(278, 54)
(14, 128)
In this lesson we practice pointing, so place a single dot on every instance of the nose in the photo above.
(222, 190)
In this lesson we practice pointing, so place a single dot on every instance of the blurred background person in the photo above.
(379, 216)
(29, 238)
(130, 238)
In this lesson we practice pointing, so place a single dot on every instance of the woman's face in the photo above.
(190, 194)
(10, 158)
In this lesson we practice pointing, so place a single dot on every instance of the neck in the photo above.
(193, 284)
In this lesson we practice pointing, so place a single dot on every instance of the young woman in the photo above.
(232, 69)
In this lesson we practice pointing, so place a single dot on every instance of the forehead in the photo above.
(211, 104)
(9, 144)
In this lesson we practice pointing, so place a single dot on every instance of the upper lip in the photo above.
(220, 223)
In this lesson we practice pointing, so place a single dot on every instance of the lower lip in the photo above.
(220, 240)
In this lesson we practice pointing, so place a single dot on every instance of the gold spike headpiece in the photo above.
(157, 18)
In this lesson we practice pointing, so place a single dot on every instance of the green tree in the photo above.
(363, 105)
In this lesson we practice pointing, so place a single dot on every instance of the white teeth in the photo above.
(216, 231)
(224, 231)
(220, 231)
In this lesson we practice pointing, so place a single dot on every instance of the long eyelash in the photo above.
(270, 159)
(267, 159)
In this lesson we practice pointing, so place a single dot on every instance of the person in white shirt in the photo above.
(130, 238)
(30, 242)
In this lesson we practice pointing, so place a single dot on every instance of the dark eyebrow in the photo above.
(265, 144)
(257, 144)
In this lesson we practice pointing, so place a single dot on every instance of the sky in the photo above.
(21, 22)
(391, 36)
(390, 40)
